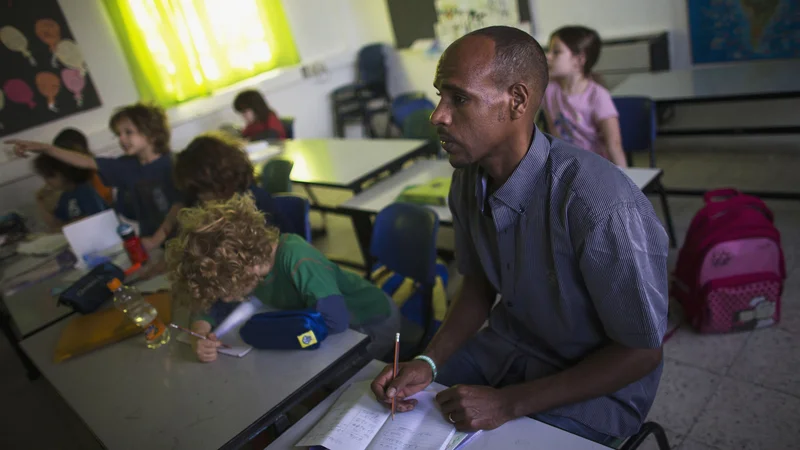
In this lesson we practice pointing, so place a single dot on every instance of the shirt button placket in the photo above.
(508, 242)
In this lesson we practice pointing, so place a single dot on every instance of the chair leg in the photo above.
(5, 326)
(659, 188)
(646, 430)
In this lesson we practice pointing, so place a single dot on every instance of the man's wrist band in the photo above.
(430, 363)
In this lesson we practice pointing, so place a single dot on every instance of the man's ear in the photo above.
(520, 100)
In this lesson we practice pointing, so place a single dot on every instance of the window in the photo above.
(182, 49)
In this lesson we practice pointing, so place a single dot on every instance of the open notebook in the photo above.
(358, 422)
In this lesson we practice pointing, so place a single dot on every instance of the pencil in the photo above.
(396, 356)
(197, 335)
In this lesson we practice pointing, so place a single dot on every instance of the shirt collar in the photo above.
(517, 191)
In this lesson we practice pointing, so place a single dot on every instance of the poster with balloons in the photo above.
(43, 76)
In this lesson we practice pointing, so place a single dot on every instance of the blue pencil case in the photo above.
(285, 330)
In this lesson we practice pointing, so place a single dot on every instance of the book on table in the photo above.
(434, 192)
(357, 421)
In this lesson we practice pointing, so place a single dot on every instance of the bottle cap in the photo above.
(114, 284)
(124, 228)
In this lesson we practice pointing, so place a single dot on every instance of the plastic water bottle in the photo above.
(132, 243)
(130, 301)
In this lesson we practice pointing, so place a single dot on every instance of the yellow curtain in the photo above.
(182, 49)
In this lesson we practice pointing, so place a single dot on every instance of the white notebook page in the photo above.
(351, 423)
(424, 428)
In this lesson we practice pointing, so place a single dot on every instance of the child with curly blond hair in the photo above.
(225, 251)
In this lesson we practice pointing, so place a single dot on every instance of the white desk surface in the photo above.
(521, 434)
(728, 80)
(642, 176)
(337, 162)
(34, 307)
(385, 192)
(132, 397)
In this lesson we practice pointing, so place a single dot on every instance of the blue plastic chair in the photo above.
(637, 122)
(405, 104)
(404, 241)
(296, 211)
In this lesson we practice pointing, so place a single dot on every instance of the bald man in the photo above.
(573, 247)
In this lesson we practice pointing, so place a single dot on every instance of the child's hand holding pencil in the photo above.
(205, 346)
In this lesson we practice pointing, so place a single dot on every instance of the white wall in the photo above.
(619, 18)
(612, 18)
(327, 31)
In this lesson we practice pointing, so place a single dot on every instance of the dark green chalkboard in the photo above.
(414, 19)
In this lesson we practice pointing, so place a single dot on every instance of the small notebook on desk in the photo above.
(356, 421)
(228, 330)
(434, 192)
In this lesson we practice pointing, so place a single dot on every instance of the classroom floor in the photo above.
(738, 391)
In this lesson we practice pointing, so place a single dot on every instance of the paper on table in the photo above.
(461, 439)
(93, 234)
(256, 146)
(358, 422)
(235, 320)
(424, 428)
(43, 245)
(238, 347)
(260, 151)
(351, 423)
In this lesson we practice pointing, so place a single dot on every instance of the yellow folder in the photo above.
(100, 328)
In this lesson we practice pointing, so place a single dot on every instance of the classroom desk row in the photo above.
(338, 163)
(131, 397)
(745, 81)
(362, 206)
(520, 434)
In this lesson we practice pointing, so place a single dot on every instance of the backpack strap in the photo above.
(723, 194)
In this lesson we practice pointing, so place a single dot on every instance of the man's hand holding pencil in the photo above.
(412, 377)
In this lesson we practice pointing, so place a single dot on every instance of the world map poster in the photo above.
(739, 30)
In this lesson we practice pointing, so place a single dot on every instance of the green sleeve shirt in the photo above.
(301, 275)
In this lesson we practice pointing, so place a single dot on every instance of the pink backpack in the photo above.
(730, 271)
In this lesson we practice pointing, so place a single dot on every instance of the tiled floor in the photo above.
(730, 392)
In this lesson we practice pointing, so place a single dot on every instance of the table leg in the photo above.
(659, 189)
(315, 201)
(5, 324)
(363, 227)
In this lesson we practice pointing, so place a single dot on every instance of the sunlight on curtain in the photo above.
(182, 49)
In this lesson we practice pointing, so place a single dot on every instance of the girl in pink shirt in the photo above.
(578, 109)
